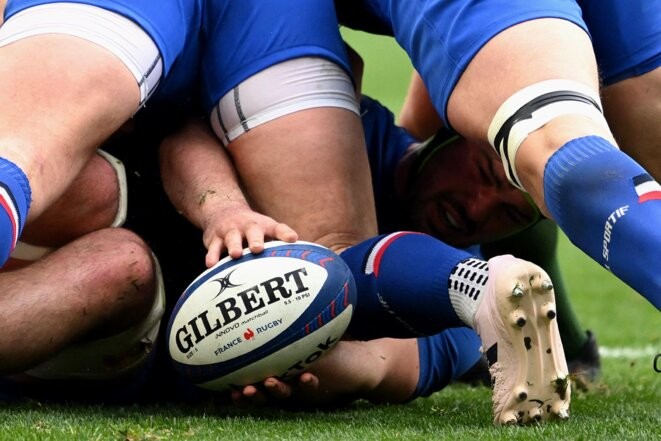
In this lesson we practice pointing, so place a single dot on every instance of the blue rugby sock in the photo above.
(610, 208)
(445, 357)
(402, 283)
(15, 197)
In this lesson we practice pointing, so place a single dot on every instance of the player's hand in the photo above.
(272, 391)
(237, 226)
(336, 379)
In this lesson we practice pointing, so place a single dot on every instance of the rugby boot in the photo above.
(517, 324)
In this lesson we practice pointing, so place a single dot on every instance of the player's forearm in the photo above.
(198, 175)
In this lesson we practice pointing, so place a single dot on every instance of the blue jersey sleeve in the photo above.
(386, 145)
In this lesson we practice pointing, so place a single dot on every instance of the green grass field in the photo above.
(625, 405)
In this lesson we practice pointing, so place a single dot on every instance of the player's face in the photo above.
(461, 196)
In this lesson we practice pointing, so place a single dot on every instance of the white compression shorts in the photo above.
(121, 36)
(533, 107)
(282, 89)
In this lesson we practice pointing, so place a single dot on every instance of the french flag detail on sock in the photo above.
(8, 204)
(646, 188)
(373, 261)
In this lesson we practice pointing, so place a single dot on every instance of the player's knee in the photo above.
(128, 266)
(135, 256)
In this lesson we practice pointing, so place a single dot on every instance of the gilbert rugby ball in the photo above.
(262, 315)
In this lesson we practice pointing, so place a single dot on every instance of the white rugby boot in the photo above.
(517, 323)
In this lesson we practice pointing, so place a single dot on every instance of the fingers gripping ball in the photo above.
(263, 315)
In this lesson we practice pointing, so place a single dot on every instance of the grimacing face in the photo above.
(456, 190)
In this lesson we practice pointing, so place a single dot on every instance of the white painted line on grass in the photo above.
(628, 352)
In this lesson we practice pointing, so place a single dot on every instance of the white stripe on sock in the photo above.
(466, 286)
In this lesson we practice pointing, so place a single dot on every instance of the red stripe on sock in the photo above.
(10, 215)
(382, 247)
(651, 196)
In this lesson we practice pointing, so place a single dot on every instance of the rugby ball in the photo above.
(262, 315)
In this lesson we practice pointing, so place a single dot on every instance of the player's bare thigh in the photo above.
(309, 170)
(300, 151)
(633, 109)
(58, 110)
